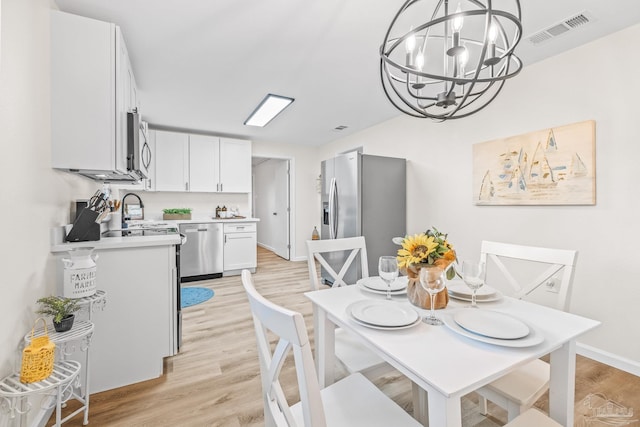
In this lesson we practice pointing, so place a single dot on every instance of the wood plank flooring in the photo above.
(215, 380)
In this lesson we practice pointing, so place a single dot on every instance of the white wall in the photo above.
(305, 204)
(33, 196)
(203, 205)
(596, 81)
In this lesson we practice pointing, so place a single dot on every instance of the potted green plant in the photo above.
(61, 309)
(181, 213)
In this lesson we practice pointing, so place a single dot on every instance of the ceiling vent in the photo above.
(564, 26)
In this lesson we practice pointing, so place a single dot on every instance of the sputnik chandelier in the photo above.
(442, 63)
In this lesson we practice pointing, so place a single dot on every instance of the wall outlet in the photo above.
(553, 285)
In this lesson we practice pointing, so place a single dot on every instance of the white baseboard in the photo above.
(618, 362)
(42, 416)
(267, 247)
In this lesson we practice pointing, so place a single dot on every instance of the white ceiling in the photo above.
(204, 65)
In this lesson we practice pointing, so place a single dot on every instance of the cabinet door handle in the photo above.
(186, 186)
(225, 238)
(221, 187)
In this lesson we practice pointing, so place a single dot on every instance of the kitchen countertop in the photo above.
(206, 220)
(58, 245)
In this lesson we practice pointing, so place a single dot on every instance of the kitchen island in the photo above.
(139, 325)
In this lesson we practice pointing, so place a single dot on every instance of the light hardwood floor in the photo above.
(215, 380)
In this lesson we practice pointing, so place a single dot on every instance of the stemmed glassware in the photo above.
(473, 274)
(388, 271)
(432, 279)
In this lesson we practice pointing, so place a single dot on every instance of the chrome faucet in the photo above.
(124, 223)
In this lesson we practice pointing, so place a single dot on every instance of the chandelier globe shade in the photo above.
(444, 59)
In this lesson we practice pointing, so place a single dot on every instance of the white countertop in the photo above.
(205, 220)
(59, 245)
(120, 242)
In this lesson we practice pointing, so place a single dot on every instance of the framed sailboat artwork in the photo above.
(554, 166)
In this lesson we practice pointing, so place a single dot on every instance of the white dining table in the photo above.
(446, 365)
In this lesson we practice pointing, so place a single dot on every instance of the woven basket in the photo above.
(37, 357)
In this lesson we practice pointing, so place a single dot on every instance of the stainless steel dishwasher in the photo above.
(201, 255)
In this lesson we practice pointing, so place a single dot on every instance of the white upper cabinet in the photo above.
(235, 166)
(203, 163)
(92, 89)
(171, 161)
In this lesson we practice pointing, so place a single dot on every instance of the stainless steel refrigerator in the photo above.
(363, 195)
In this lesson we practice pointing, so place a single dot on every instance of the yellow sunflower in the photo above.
(415, 249)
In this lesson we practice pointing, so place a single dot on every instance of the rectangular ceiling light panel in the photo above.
(269, 108)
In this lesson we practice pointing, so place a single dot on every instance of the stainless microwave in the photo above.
(138, 151)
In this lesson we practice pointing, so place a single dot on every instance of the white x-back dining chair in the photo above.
(543, 276)
(350, 352)
(352, 401)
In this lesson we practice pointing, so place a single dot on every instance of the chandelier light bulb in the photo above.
(458, 21)
(410, 43)
(493, 33)
(463, 58)
(420, 60)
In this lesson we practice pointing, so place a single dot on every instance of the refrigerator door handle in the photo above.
(334, 209)
(332, 195)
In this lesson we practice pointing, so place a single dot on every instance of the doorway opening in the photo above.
(272, 203)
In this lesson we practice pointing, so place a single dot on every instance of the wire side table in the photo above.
(60, 383)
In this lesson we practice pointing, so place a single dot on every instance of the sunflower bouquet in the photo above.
(430, 248)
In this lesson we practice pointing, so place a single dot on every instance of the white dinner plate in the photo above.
(459, 288)
(384, 313)
(402, 291)
(496, 297)
(492, 324)
(460, 291)
(377, 284)
(387, 328)
(534, 337)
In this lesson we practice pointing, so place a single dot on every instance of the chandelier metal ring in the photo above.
(423, 65)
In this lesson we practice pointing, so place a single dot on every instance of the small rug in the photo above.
(193, 295)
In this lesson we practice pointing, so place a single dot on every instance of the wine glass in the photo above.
(473, 274)
(388, 271)
(433, 281)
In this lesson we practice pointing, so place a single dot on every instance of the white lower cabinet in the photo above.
(240, 248)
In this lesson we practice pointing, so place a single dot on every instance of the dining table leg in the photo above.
(444, 411)
(420, 404)
(562, 383)
(324, 334)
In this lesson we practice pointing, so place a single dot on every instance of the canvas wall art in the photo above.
(553, 166)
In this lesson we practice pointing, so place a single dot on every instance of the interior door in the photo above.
(280, 214)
